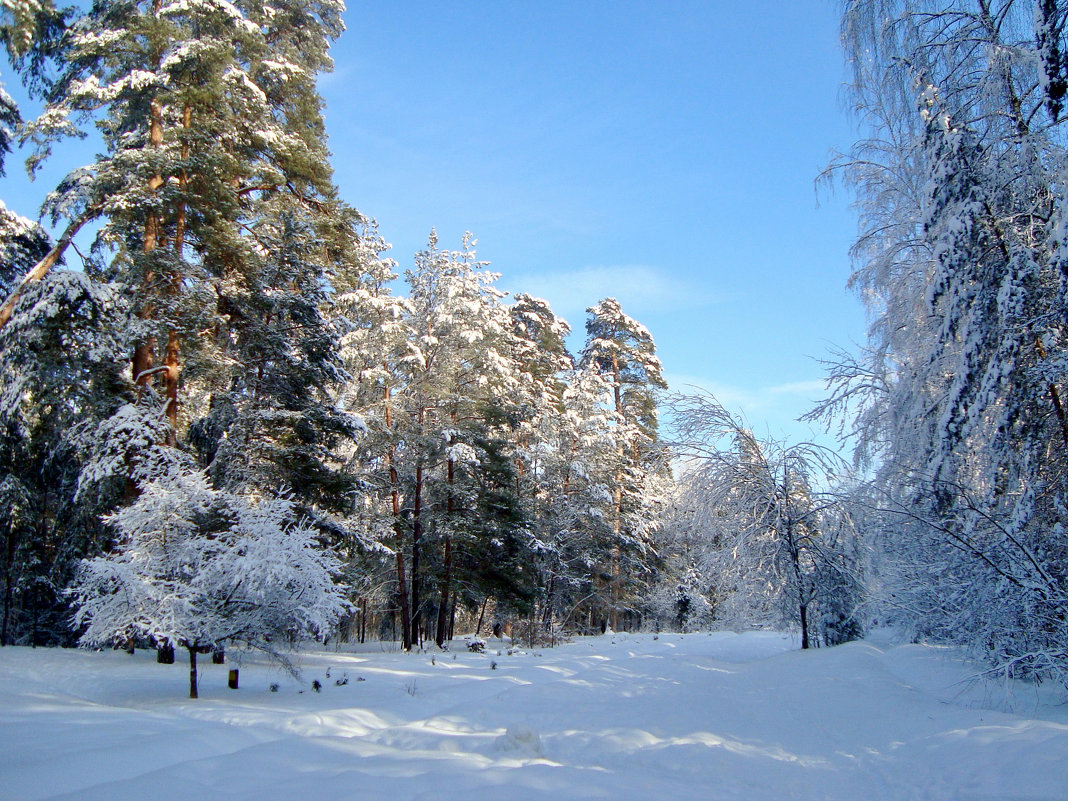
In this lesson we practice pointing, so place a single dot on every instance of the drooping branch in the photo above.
(40, 270)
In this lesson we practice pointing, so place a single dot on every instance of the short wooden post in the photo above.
(232, 682)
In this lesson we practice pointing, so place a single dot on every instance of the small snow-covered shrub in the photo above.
(197, 568)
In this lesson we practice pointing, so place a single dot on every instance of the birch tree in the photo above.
(779, 542)
(961, 260)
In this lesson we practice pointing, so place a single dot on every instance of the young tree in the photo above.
(774, 530)
(199, 568)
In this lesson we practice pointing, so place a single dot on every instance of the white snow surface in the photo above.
(622, 717)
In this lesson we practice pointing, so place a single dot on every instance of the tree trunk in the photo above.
(143, 357)
(363, 621)
(446, 574)
(192, 671)
(171, 385)
(417, 535)
(617, 503)
(794, 550)
(173, 342)
(1055, 396)
(549, 593)
(442, 628)
(398, 529)
(402, 593)
(9, 581)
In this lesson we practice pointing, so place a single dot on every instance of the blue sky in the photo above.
(661, 152)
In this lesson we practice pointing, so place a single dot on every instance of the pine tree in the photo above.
(622, 349)
(374, 332)
(538, 409)
(457, 370)
(59, 376)
(175, 89)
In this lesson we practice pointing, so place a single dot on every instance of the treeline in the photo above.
(231, 382)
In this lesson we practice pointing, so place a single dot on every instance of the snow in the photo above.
(707, 716)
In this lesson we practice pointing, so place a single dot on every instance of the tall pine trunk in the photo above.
(617, 506)
(446, 575)
(398, 529)
(173, 341)
(417, 536)
(144, 352)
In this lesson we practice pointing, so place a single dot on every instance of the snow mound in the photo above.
(519, 737)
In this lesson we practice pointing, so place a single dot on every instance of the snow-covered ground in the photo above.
(624, 717)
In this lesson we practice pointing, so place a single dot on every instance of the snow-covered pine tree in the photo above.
(622, 349)
(574, 519)
(373, 325)
(457, 373)
(60, 365)
(540, 352)
(201, 140)
(273, 419)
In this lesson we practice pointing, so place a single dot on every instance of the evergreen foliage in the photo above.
(230, 407)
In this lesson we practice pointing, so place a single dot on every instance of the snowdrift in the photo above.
(623, 717)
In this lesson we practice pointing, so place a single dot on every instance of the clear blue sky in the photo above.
(661, 152)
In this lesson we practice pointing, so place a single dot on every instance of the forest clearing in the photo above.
(709, 716)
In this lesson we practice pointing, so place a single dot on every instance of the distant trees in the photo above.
(492, 463)
(778, 547)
